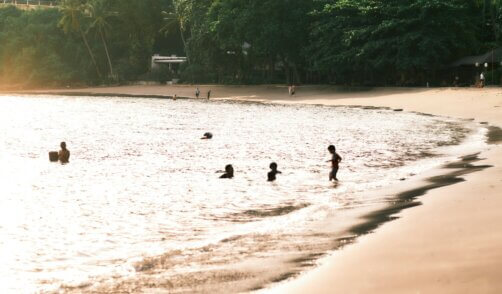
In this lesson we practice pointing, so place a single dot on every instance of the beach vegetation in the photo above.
(356, 42)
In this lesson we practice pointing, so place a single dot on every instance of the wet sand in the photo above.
(452, 243)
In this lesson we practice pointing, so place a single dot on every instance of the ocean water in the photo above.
(140, 207)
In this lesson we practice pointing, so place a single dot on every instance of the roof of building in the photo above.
(493, 56)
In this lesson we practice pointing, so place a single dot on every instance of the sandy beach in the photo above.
(452, 243)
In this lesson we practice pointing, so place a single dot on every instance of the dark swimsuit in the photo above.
(271, 175)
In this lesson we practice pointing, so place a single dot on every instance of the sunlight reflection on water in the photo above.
(140, 202)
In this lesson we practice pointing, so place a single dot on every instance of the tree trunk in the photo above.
(286, 71)
(271, 69)
(90, 53)
(298, 79)
(184, 44)
(106, 50)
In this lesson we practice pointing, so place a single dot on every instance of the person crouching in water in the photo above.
(64, 154)
(229, 172)
(271, 174)
(334, 162)
(207, 136)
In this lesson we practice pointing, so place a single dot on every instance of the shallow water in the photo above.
(140, 206)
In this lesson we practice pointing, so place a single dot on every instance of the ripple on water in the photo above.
(141, 207)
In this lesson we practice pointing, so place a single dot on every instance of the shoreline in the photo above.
(425, 265)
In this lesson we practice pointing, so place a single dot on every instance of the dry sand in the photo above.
(450, 244)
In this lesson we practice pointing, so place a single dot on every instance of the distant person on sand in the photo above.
(271, 174)
(291, 90)
(197, 92)
(64, 154)
(456, 82)
(482, 80)
(334, 162)
(229, 172)
(208, 94)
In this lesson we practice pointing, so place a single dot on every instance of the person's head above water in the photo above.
(63, 145)
(207, 135)
(273, 166)
(331, 148)
(229, 172)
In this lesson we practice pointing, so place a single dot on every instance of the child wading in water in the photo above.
(273, 171)
(334, 162)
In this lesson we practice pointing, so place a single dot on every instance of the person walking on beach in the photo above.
(197, 92)
(334, 162)
(64, 154)
(482, 80)
(208, 94)
(271, 174)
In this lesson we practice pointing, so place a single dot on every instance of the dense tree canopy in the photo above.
(390, 40)
(355, 42)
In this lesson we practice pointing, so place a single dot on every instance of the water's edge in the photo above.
(451, 173)
(406, 199)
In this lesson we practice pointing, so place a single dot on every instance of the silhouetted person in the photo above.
(64, 154)
(197, 92)
(229, 172)
(271, 174)
(208, 94)
(334, 162)
(207, 136)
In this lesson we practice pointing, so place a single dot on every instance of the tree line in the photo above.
(352, 42)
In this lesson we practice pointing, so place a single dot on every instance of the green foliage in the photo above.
(389, 41)
(276, 31)
(355, 42)
(32, 49)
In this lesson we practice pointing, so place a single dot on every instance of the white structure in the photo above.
(170, 60)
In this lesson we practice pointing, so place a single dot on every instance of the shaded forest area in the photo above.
(347, 42)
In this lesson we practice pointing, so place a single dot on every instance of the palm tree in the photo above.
(72, 13)
(174, 19)
(99, 13)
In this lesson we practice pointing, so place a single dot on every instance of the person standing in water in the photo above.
(229, 172)
(64, 154)
(334, 162)
(197, 92)
(271, 174)
(208, 94)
